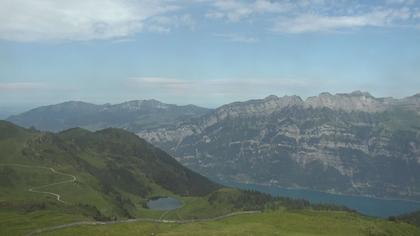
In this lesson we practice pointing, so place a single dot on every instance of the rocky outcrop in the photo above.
(347, 143)
(356, 101)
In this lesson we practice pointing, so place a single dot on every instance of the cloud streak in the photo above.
(317, 15)
(316, 23)
(82, 20)
(215, 92)
(238, 38)
(227, 87)
(19, 88)
(22, 87)
(26, 20)
(234, 10)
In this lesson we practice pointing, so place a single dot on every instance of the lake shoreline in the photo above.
(332, 192)
(367, 205)
(163, 203)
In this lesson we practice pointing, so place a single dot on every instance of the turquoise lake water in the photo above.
(365, 205)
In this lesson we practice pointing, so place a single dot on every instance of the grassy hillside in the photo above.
(116, 172)
(107, 158)
(52, 179)
(302, 223)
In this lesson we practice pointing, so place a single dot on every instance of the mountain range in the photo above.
(78, 182)
(344, 143)
(133, 116)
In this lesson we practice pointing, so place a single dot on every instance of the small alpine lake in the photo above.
(366, 205)
(164, 203)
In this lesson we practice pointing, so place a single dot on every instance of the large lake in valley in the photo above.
(365, 205)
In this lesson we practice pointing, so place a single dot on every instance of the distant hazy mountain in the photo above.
(346, 143)
(133, 115)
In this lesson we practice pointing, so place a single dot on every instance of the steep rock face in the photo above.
(356, 101)
(347, 143)
(132, 115)
(262, 107)
(411, 103)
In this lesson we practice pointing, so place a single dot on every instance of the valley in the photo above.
(66, 171)
(351, 144)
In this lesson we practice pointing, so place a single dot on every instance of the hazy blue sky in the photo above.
(204, 52)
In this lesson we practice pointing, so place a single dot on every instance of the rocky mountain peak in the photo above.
(325, 94)
(271, 97)
(285, 100)
(355, 101)
(359, 93)
(260, 106)
(136, 105)
(415, 96)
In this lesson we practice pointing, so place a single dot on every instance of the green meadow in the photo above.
(299, 223)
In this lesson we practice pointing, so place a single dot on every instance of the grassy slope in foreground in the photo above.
(302, 223)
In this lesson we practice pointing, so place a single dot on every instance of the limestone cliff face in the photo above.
(348, 143)
(356, 101)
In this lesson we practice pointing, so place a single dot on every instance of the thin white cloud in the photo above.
(317, 15)
(237, 38)
(81, 20)
(237, 87)
(235, 10)
(215, 92)
(29, 87)
(174, 85)
(22, 86)
(408, 2)
(316, 23)
(27, 20)
(417, 14)
(164, 24)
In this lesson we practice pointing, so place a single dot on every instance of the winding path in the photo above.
(73, 179)
(35, 189)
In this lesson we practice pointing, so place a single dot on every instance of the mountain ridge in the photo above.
(132, 115)
(287, 142)
(112, 166)
(354, 101)
(346, 143)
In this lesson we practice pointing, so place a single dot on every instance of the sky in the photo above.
(204, 52)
